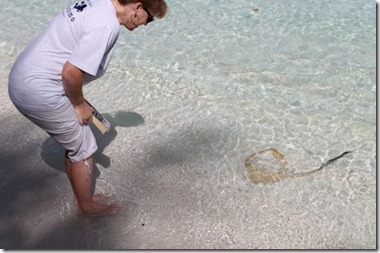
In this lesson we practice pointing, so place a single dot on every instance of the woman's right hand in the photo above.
(84, 113)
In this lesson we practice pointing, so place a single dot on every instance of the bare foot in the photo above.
(100, 197)
(95, 209)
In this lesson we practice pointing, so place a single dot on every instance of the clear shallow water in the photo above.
(201, 90)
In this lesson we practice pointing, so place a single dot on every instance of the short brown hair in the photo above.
(157, 8)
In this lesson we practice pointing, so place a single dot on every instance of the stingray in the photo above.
(269, 166)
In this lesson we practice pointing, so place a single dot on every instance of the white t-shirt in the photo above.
(84, 34)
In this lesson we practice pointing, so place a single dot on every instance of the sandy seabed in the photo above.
(182, 126)
(181, 185)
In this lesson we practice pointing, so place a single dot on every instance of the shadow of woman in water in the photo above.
(52, 153)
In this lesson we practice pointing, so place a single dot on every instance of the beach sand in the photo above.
(187, 107)
(179, 187)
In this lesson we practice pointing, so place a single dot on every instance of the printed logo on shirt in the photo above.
(78, 7)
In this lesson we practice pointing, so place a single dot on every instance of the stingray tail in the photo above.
(323, 165)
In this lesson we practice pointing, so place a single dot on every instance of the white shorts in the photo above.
(62, 124)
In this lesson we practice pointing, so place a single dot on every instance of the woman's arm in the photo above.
(72, 83)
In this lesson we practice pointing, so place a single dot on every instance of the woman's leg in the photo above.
(80, 176)
(62, 124)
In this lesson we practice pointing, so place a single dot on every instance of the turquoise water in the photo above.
(214, 82)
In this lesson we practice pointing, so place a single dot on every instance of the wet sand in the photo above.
(180, 187)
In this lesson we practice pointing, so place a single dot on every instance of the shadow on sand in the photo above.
(53, 153)
(18, 184)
